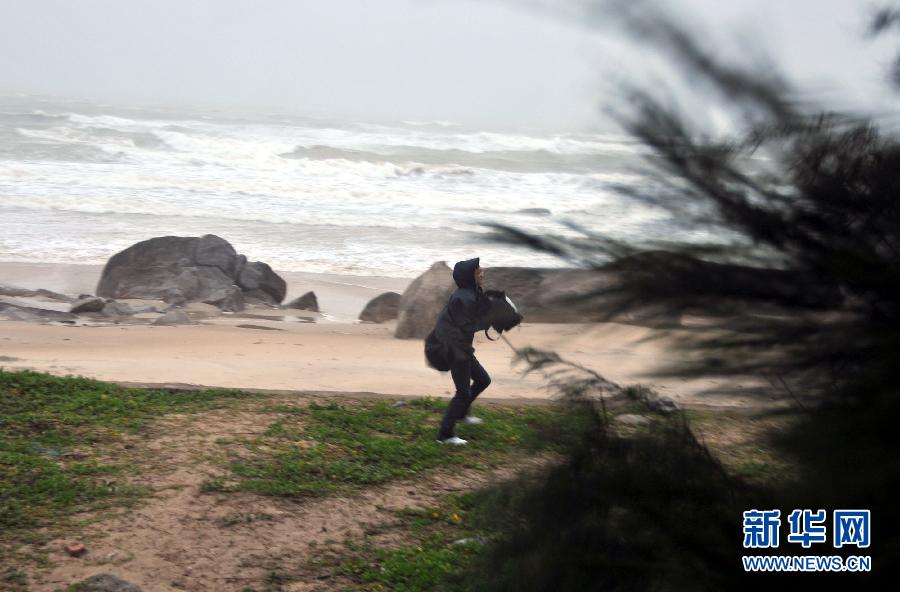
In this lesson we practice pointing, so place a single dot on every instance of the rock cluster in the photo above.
(190, 269)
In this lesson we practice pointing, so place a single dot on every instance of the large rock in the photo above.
(384, 307)
(213, 251)
(423, 300)
(189, 269)
(306, 302)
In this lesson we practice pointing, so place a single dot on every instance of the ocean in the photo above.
(81, 181)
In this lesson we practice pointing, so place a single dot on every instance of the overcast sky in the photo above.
(476, 62)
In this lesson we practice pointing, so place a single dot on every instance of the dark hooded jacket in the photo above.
(464, 315)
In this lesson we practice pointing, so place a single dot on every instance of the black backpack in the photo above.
(501, 316)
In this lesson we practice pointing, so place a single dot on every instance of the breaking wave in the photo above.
(95, 178)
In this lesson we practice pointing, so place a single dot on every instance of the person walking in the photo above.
(464, 314)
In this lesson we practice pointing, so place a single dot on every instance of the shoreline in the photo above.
(341, 297)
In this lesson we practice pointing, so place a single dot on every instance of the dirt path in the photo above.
(184, 539)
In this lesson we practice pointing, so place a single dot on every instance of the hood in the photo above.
(464, 272)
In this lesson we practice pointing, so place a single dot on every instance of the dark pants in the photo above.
(470, 379)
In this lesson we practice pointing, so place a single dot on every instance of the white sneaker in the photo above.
(471, 420)
(455, 440)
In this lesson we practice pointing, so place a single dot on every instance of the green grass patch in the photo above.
(437, 544)
(407, 569)
(318, 449)
(51, 427)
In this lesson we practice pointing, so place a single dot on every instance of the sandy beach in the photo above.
(280, 351)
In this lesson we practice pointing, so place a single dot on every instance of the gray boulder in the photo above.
(382, 308)
(89, 304)
(180, 269)
(175, 316)
(105, 582)
(306, 302)
(423, 300)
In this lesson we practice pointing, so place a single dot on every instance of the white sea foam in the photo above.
(373, 136)
(78, 185)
